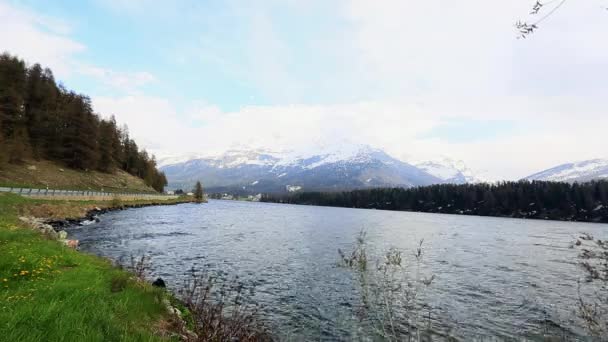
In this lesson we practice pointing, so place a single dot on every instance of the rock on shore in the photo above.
(48, 230)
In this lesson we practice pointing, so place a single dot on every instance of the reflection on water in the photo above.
(505, 278)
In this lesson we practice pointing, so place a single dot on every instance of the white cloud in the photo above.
(46, 40)
(153, 122)
(37, 38)
(396, 127)
(469, 47)
(128, 82)
(391, 73)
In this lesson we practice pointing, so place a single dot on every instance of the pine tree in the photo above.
(40, 105)
(12, 93)
(18, 145)
(106, 161)
(115, 139)
(80, 140)
(198, 192)
(41, 118)
(3, 149)
(160, 182)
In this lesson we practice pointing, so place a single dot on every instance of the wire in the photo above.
(550, 12)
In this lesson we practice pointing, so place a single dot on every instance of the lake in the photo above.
(494, 277)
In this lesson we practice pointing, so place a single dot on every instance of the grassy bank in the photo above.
(49, 292)
(43, 173)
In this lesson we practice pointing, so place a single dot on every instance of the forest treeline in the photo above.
(522, 199)
(41, 119)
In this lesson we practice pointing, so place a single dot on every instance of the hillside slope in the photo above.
(40, 174)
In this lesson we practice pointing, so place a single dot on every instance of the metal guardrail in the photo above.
(53, 192)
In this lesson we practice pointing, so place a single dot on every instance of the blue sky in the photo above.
(418, 79)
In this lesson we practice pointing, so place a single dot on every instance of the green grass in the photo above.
(51, 293)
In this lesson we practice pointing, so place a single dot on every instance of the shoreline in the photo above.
(44, 281)
(92, 214)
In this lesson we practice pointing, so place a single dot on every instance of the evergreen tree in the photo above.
(541, 200)
(115, 141)
(12, 93)
(40, 104)
(3, 149)
(42, 119)
(18, 146)
(80, 140)
(106, 161)
(198, 192)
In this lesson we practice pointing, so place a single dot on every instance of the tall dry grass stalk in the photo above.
(389, 291)
(593, 304)
(221, 310)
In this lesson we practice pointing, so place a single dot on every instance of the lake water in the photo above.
(495, 277)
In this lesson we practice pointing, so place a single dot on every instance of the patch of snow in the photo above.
(449, 170)
(254, 183)
(293, 188)
(172, 160)
(594, 168)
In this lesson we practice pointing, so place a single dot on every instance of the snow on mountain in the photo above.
(336, 167)
(449, 170)
(582, 171)
(169, 160)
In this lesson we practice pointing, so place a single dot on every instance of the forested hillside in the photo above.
(523, 199)
(41, 119)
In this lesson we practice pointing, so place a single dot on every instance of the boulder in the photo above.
(159, 282)
(51, 233)
(72, 243)
(62, 235)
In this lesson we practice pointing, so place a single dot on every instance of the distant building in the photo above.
(170, 192)
(255, 198)
(190, 194)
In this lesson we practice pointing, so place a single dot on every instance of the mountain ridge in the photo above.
(339, 167)
(581, 171)
(335, 168)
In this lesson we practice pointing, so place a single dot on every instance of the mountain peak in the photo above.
(332, 167)
(449, 170)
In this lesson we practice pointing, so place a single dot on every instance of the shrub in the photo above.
(119, 282)
(389, 291)
(221, 310)
(116, 202)
(140, 266)
(593, 304)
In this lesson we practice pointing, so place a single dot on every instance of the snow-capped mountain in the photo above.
(330, 168)
(583, 171)
(449, 170)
